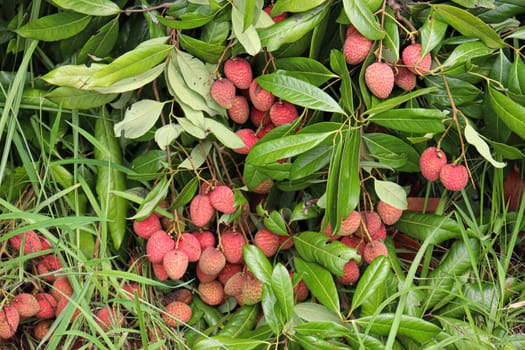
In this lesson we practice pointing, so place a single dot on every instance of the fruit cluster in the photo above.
(434, 166)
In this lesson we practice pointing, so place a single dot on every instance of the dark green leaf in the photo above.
(422, 226)
(216, 32)
(304, 68)
(517, 76)
(283, 290)
(509, 111)
(258, 263)
(475, 4)
(294, 6)
(338, 64)
(275, 223)
(313, 312)
(390, 149)
(73, 98)
(208, 52)
(190, 20)
(416, 120)
(349, 183)
(462, 91)
(89, 7)
(55, 27)
(311, 161)
(371, 281)
(242, 321)
(271, 309)
(396, 101)
(322, 329)
(363, 19)
(309, 342)
(432, 33)
(230, 343)
(187, 193)
(101, 43)
(412, 327)
(464, 53)
(391, 39)
(152, 200)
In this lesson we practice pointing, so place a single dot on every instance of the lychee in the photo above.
(260, 98)
(41, 329)
(454, 176)
(222, 199)
(176, 313)
(371, 222)
(108, 318)
(374, 249)
(212, 261)
(267, 128)
(356, 47)
(130, 289)
(249, 139)
(380, 234)
(259, 118)
(9, 320)
(175, 263)
(411, 56)
(206, 239)
(26, 305)
(350, 224)
(232, 243)
(61, 288)
(45, 243)
(350, 273)
(355, 242)
(159, 271)
(190, 245)
(48, 305)
(239, 72)
(201, 210)
(267, 241)
(388, 213)
(233, 285)
(240, 110)
(158, 245)
(211, 293)
(182, 295)
(285, 242)
(203, 277)
(251, 291)
(328, 231)
(147, 227)
(283, 112)
(276, 19)
(264, 187)
(228, 271)
(31, 242)
(431, 162)
(223, 92)
(404, 78)
(300, 290)
(379, 78)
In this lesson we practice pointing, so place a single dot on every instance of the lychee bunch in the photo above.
(356, 47)
(350, 273)
(108, 318)
(379, 78)
(276, 19)
(212, 261)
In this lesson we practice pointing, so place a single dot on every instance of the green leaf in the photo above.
(349, 182)
(475, 4)
(102, 42)
(190, 19)
(55, 27)
(132, 83)
(73, 98)
(306, 69)
(464, 53)
(372, 279)
(421, 226)
(197, 156)
(208, 52)
(432, 33)
(509, 111)
(475, 139)
(242, 321)
(517, 76)
(298, 92)
(311, 312)
(74, 76)
(154, 197)
(227, 137)
(309, 342)
(320, 283)
(396, 101)
(468, 24)
(271, 310)
(391, 39)
(196, 75)
(322, 329)
(310, 161)
(166, 134)
(191, 128)
(313, 247)
(221, 343)
(247, 8)
(390, 149)
(412, 327)
(89, 7)
(363, 19)
(338, 64)
(415, 120)
(275, 223)
(186, 194)
(294, 6)
(249, 38)
(258, 263)
(282, 287)
(391, 193)
(139, 119)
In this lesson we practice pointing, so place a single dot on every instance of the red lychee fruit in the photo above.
(285, 242)
(240, 110)
(251, 291)
(26, 304)
(405, 79)
(203, 277)
(147, 227)
(300, 290)
(261, 99)
(44, 243)
(259, 118)
(211, 293)
(159, 271)
(372, 222)
(262, 132)
(379, 78)
(276, 19)
(108, 318)
(61, 305)
(201, 210)
(373, 250)
(130, 289)
(222, 199)
(264, 187)
(228, 271)
(182, 295)
(212, 261)
(356, 47)
(350, 224)
(61, 288)
(190, 245)
(239, 72)
(31, 242)
(267, 241)
(380, 234)
(328, 231)
(454, 176)
(388, 213)
(355, 242)
(248, 138)
(431, 162)
(48, 305)
(223, 92)
(158, 245)
(351, 273)
(411, 56)
(176, 313)
(206, 239)
(175, 263)
(232, 243)
(9, 320)
(41, 329)
(233, 285)
(283, 112)
(52, 262)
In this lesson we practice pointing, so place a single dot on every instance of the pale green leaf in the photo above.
(89, 7)
(73, 98)
(132, 83)
(224, 134)
(139, 119)
(72, 75)
(391, 193)
(472, 137)
(249, 38)
(166, 134)
(197, 156)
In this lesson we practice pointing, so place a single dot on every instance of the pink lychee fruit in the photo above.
(175, 263)
(222, 199)
(267, 241)
(249, 139)
(260, 98)
(212, 261)
(158, 245)
(240, 110)
(223, 92)
(379, 78)
(201, 210)
(283, 112)
(454, 177)
(388, 213)
(411, 56)
(239, 72)
(431, 162)
(147, 227)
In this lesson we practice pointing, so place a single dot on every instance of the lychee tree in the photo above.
(256, 174)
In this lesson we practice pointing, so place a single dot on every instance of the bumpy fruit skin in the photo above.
(285, 242)
(356, 47)
(177, 312)
(206, 239)
(203, 277)
(372, 222)
(190, 245)
(267, 241)
(300, 290)
(454, 177)
(232, 243)
(373, 250)
(388, 213)
(201, 210)
(379, 78)
(48, 305)
(159, 271)
(251, 291)
(158, 245)
(354, 242)
(147, 227)
(228, 271)
(405, 79)
(259, 118)
(9, 320)
(212, 293)
(130, 289)
(26, 305)
(222, 199)
(49, 264)
(233, 285)
(261, 99)
(175, 263)
(108, 318)
(351, 273)
(212, 261)
(283, 112)
(31, 243)
(248, 138)
(411, 56)
(431, 162)
(380, 234)
(223, 92)
(350, 224)
(262, 132)
(239, 72)
(240, 110)
(61, 288)
(42, 328)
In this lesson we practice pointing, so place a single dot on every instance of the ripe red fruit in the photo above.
(177, 312)
(158, 245)
(414, 62)
(61, 305)
(201, 210)
(405, 79)
(251, 291)
(454, 177)
(373, 250)
(190, 245)
(285, 242)
(356, 47)
(206, 239)
(267, 241)
(26, 304)
(259, 118)
(159, 271)
(233, 285)
(354, 242)
(239, 72)
(513, 188)
(212, 261)
(9, 320)
(350, 224)
(31, 242)
(223, 92)
(147, 227)
(351, 273)
(232, 243)
(240, 110)
(379, 79)
(300, 290)
(276, 19)
(388, 213)
(61, 288)
(131, 289)
(222, 199)
(431, 162)
(108, 318)
(175, 263)
(48, 305)
(260, 98)
(228, 271)
(211, 293)
(49, 264)
(283, 112)
(380, 234)
(371, 221)
(203, 277)
(42, 328)
(248, 138)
